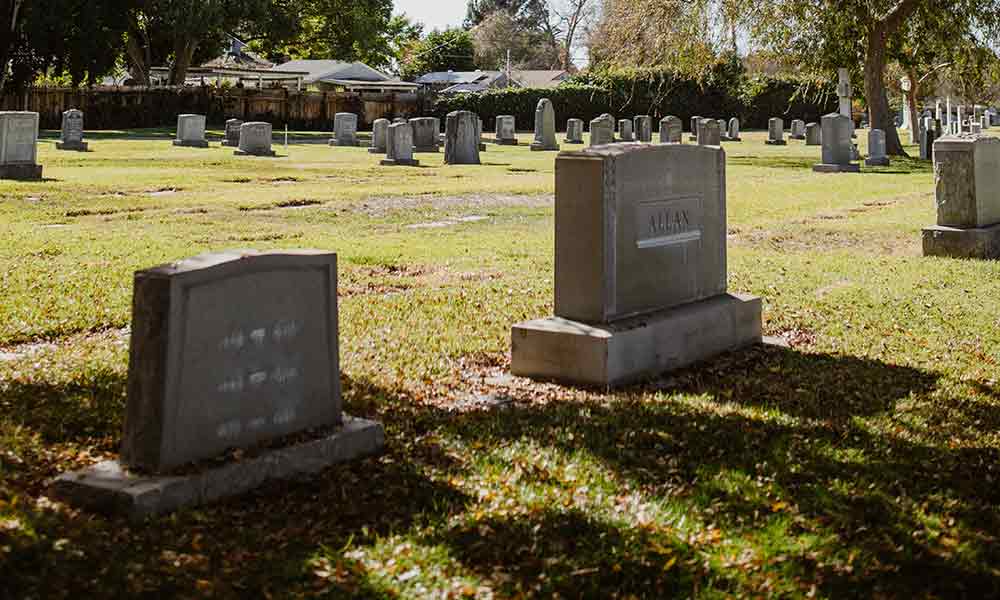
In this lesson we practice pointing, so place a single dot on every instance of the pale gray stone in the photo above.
(191, 131)
(230, 350)
(953, 242)
(876, 149)
(255, 139)
(345, 129)
(930, 135)
(425, 134)
(399, 146)
(545, 127)
(461, 146)
(574, 131)
(625, 131)
(602, 131)
(671, 130)
(709, 133)
(734, 130)
(798, 131)
(506, 130)
(814, 134)
(775, 132)
(232, 133)
(967, 181)
(838, 150)
(19, 145)
(695, 121)
(71, 137)
(642, 128)
(380, 134)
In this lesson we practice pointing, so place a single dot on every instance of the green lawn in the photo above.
(863, 460)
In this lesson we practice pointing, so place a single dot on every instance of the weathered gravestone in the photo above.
(602, 131)
(380, 132)
(255, 139)
(798, 131)
(545, 127)
(967, 191)
(461, 146)
(425, 134)
(506, 131)
(229, 351)
(775, 132)
(814, 134)
(734, 130)
(191, 131)
(671, 130)
(876, 149)
(19, 145)
(345, 129)
(642, 128)
(709, 133)
(694, 128)
(640, 268)
(232, 133)
(838, 150)
(625, 131)
(574, 131)
(399, 146)
(71, 137)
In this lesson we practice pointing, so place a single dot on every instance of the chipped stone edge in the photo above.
(108, 488)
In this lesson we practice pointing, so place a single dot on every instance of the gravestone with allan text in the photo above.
(231, 350)
(19, 145)
(71, 137)
(640, 268)
(191, 131)
(255, 139)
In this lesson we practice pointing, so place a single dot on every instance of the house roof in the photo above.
(326, 70)
(539, 79)
(456, 77)
(465, 87)
(238, 57)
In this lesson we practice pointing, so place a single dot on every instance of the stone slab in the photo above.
(626, 351)
(353, 144)
(262, 153)
(877, 162)
(978, 242)
(191, 143)
(399, 162)
(821, 168)
(508, 142)
(72, 146)
(22, 172)
(776, 142)
(109, 488)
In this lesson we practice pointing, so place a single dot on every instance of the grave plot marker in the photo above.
(19, 145)
(71, 137)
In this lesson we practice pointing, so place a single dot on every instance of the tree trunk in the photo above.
(8, 35)
(184, 49)
(879, 116)
(138, 59)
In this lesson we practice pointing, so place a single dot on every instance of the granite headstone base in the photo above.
(347, 144)
(626, 351)
(776, 142)
(798, 137)
(400, 162)
(426, 149)
(978, 242)
(261, 153)
(882, 161)
(537, 147)
(825, 168)
(505, 142)
(109, 488)
(22, 172)
(72, 146)
(191, 143)
(569, 141)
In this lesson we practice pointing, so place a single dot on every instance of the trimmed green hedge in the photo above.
(726, 92)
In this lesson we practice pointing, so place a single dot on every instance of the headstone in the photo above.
(229, 351)
(967, 191)
(506, 131)
(232, 133)
(574, 131)
(642, 128)
(625, 131)
(255, 140)
(19, 145)
(71, 137)
(798, 131)
(640, 268)
(461, 146)
(425, 134)
(671, 130)
(380, 134)
(837, 146)
(813, 134)
(602, 131)
(927, 141)
(775, 132)
(876, 149)
(709, 133)
(399, 146)
(694, 128)
(345, 129)
(479, 134)
(545, 127)
(191, 131)
(734, 130)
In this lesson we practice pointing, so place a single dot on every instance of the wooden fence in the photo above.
(134, 107)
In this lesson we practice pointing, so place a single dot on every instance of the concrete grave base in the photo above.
(506, 142)
(877, 162)
(348, 145)
(73, 146)
(573, 141)
(543, 148)
(424, 149)
(776, 142)
(823, 168)
(242, 153)
(625, 351)
(376, 151)
(726, 138)
(108, 488)
(797, 137)
(400, 162)
(191, 143)
(23, 172)
(982, 243)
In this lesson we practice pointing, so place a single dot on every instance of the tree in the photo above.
(573, 18)
(817, 34)
(500, 33)
(448, 50)
(530, 14)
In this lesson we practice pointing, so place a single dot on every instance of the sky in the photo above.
(433, 13)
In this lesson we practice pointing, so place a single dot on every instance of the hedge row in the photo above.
(725, 92)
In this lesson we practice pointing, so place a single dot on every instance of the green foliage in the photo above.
(530, 14)
(725, 93)
(448, 50)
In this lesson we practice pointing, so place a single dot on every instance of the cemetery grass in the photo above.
(859, 458)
